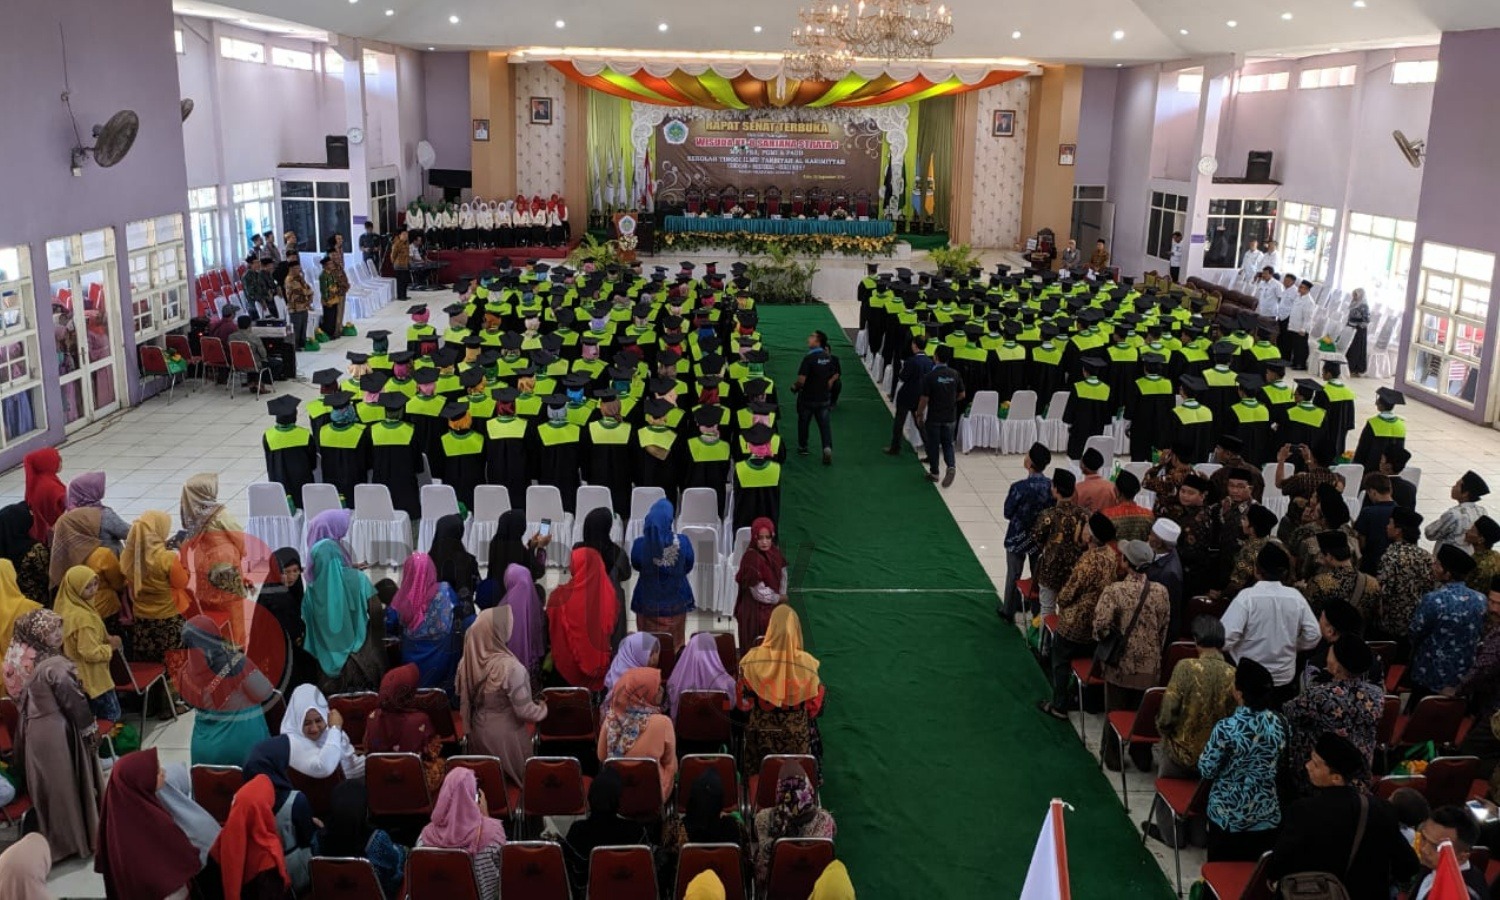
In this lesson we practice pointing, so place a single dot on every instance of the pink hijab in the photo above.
(86, 490)
(699, 668)
(419, 585)
(457, 823)
(528, 640)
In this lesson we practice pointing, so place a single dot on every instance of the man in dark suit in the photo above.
(909, 389)
(1318, 833)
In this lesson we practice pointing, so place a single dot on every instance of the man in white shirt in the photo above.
(1251, 265)
(1269, 257)
(1265, 289)
(1285, 291)
(1174, 257)
(1270, 622)
(1299, 322)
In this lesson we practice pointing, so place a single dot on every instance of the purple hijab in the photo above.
(634, 653)
(698, 668)
(332, 525)
(86, 490)
(528, 631)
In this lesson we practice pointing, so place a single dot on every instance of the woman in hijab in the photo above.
(510, 546)
(602, 827)
(13, 604)
(528, 636)
(639, 649)
(780, 688)
(294, 819)
(24, 868)
(705, 886)
(703, 821)
(1358, 353)
(663, 597)
(348, 833)
(176, 796)
(422, 611)
(57, 746)
(319, 745)
(143, 854)
(762, 581)
(597, 526)
(76, 542)
(462, 822)
(398, 726)
(580, 616)
(86, 642)
(634, 726)
(225, 689)
(795, 815)
(46, 494)
(32, 558)
(698, 668)
(339, 608)
(248, 857)
(281, 595)
(158, 583)
(36, 637)
(833, 884)
(452, 560)
(87, 492)
(494, 694)
(330, 525)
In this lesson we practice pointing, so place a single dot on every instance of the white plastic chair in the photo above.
(544, 501)
(862, 343)
(591, 497)
(1273, 499)
(1412, 474)
(700, 508)
(1051, 430)
(491, 501)
(438, 500)
(379, 534)
(1207, 470)
(728, 588)
(271, 521)
(1353, 474)
(1139, 469)
(981, 427)
(318, 498)
(1105, 444)
(706, 570)
(1018, 430)
(641, 500)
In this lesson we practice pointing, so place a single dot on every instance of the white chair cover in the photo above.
(1353, 474)
(318, 498)
(438, 500)
(271, 521)
(1051, 430)
(1018, 429)
(379, 534)
(981, 427)
(707, 569)
(490, 502)
(728, 588)
(1139, 469)
(1414, 475)
(544, 501)
(700, 508)
(641, 499)
(1105, 444)
(862, 342)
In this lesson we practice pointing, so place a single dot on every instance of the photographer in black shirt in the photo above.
(814, 389)
(937, 413)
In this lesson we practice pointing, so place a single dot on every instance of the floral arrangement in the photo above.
(801, 217)
(839, 213)
(737, 211)
(748, 243)
(628, 242)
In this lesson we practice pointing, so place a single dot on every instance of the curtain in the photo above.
(935, 153)
(909, 164)
(611, 169)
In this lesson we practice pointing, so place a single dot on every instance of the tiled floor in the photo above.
(150, 450)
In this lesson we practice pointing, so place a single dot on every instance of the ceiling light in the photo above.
(432, 48)
(1232, 23)
(390, 12)
(757, 29)
(1333, 49)
(1286, 17)
(1118, 35)
(662, 27)
(1119, 65)
(453, 20)
(353, 1)
(1359, 4)
(1182, 31)
(560, 23)
(1015, 35)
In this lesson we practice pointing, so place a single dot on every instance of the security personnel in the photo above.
(425, 413)
(708, 453)
(1250, 421)
(290, 454)
(659, 461)
(1090, 409)
(1338, 399)
(1384, 430)
(609, 456)
(1192, 422)
(558, 446)
(395, 456)
(343, 447)
(507, 446)
(757, 481)
(463, 453)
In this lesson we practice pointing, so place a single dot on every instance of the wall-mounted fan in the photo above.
(426, 156)
(1414, 151)
(187, 107)
(112, 140)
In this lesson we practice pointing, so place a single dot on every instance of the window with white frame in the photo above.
(1232, 225)
(1414, 71)
(21, 403)
(1306, 239)
(1453, 301)
(1168, 214)
(371, 63)
(1376, 256)
(254, 211)
(203, 224)
(244, 51)
(333, 62)
(291, 59)
(1333, 76)
(383, 204)
(1268, 81)
(1190, 82)
(158, 275)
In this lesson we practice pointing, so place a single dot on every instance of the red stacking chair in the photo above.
(242, 360)
(446, 722)
(1238, 880)
(692, 766)
(571, 718)
(667, 658)
(1177, 651)
(796, 864)
(355, 707)
(344, 878)
(703, 718)
(179, 344)
(154, 365)
(534, 870)
(762, 787)
(723, 859)
(396, 785)
(500, 795)
(1449, 779)
(1436, 718)
(138, 678)
(1129, 728)
(214, 788)
(1083, 673)
(554, 786)
(319, 791)
(440, 873)
(214, 358)
(640, 796)
(622, 873)
(1390, 784)
(1187, 799)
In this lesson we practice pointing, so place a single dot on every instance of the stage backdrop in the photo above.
(751, 152)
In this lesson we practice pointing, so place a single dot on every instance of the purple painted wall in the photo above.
(120, 56)
(1459, 193)
(1174, 152)
(1096, 125)
(445, 107)
(1130, 163)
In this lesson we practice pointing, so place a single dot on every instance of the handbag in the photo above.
(1324, 885)
(1112, 646)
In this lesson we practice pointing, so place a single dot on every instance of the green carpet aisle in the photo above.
(938, 767)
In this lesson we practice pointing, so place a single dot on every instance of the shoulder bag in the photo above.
(1112, 646)
(1323, 885)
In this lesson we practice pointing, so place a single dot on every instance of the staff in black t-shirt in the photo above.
(814, 388)
(937, 413)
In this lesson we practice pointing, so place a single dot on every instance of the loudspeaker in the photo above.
(1258, 166)
(338, 151)
(450, 178)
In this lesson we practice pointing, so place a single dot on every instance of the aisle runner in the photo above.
(938, 766)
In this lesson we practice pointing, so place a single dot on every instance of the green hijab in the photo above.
(334, 608)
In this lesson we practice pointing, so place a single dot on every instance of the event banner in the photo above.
(719, 152)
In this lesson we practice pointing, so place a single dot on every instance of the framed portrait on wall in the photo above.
(541, 110)
(1004, 123)
(1066, 154)
(481, 129)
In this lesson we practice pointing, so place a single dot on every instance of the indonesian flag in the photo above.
(1047, 879)
(1447, 880)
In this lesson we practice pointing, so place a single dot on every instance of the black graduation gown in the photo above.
(754, 503)
(1340, 421)
(557, 463)
(1009, 375)
(1256, 437)
(1044, 378)
(1319, 439)
(663, 473)
(344, 467)
(975, 374)
(1370, 448)
(293, 467)
(708, 473)
(464, 471)
(429, 440)
(1086, 418)
(507, 460)
(1151, 421)
(610, 465)
(1199, 436)
(396, 465)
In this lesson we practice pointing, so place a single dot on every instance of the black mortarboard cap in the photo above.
(393, 401)
(1390, 396)
(758, 434)
(359, 359)
(425, 376)
(326, 376)
(1251, 382)
(709, 416)
(283, 406)
(339, 399)
(657, 408)
(471, 377)
(374, 382)
(1309, 384)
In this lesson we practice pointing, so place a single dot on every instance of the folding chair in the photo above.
(437, 500)
(534, 870)
(379, 533)
(1176, 652)
(242, 361)
(272, 521)
(317, 498)
(666, 657)
(691, 767)
(554, 786)
(447, 723)
(544, 501)
(706, 565)
(762, 787)
(1187, 799)
(214, 358)
(499, 795)
(1449, 779)
(396, 785)
(344, 878)
(1436, 718)
(572, 718)
(1105, 444)
(1018, 428)
(214, 788)
(796, 864)
(355, 708)
(723, 859)
(640, 778)
(491, 501)
(1051, 430)
(725, 641)
(981, 426)
(622, 873)
(440, 873)
(139, 678)
(641, 500)
(1131, 728)
(703, 718)
(1238, 880)
(154, 365)
(1083, 674)
(179, 344)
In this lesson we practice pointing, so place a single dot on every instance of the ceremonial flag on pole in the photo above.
(622, 188)
(598, 182)
(916, 192)
(929, 201)
(1047, 879)
(648, 189)
(1447, 881)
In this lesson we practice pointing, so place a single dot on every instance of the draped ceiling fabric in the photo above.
(762, 85)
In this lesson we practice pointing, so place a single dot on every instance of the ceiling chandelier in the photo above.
(818, 51)
(894, 29)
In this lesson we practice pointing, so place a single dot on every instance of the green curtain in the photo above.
(609, 152)
(909, 162)
(935, 143)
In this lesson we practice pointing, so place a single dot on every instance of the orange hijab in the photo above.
(581, 620)
(249, 844)
(779, 671)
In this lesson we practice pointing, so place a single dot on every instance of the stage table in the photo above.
(871, 228)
